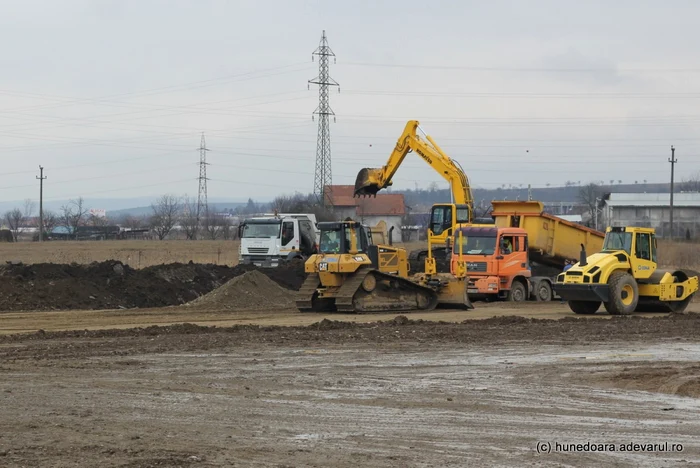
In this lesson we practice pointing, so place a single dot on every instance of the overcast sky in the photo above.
(111, 97)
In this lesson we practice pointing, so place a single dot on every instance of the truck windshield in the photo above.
(477, 245)
(618, 241)
(261, 230)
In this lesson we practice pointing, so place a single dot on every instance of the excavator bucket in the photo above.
(368, 182)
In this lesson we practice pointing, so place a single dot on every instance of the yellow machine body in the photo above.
(625, 278)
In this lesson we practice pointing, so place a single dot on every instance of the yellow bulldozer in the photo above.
(625, 278)
(352, 274)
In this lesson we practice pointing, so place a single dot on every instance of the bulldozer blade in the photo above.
(454, 293)
(368, 182)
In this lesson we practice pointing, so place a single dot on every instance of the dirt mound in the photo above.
(252, 290)
(289, 275)
(105, 285)
(111, 284)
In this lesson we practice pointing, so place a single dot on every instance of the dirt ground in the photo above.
(238, 377)
(23, 322)
(135, 253)
(395, 393)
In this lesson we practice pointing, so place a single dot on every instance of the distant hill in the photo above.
(146, 210)
(136, 206)
(421, 200)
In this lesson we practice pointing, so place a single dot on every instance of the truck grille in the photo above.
(476, 266)
(258, 250)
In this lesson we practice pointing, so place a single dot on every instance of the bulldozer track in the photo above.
(430, 294)
(305, 295)
(347, 299)
(346, 293)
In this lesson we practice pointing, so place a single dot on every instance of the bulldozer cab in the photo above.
(346, 237)
(638, 243)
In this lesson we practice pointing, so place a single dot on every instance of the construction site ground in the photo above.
(238, 377)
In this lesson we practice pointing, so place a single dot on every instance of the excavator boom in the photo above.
(371, 180)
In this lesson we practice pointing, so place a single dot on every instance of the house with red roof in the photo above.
(387, 207)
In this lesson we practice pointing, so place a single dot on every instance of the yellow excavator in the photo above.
(352, 274)
(625, 277)
(444, 217)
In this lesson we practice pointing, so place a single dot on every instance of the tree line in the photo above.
(169, 213)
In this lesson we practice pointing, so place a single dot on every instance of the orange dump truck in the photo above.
(518, 257)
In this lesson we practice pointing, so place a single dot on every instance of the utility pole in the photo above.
(322, 174)
(529, 192)
(673, 162)
(202, 203)
(41, 203)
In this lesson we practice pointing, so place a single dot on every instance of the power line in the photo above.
(169, 89)
(529, 95)
(41, 178)
(323, 179)
(525, 69)
(673, 162)
(202, 204)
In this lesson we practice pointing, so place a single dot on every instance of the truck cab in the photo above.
(268, 240)
(496, 261)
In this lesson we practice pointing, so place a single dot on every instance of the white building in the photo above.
(653, 210)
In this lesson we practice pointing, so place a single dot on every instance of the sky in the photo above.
(112, 97)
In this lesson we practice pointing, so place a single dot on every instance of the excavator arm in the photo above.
(371, 180)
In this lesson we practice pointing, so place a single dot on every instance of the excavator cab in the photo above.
(444, 217)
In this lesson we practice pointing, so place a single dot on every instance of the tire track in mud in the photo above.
(402, 404)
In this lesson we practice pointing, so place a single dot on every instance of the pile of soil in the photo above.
(251, 290)
(111, 284)
(289, 275)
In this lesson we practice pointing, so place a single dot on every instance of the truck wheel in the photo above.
(624, 294)
(584, 307)
(544, 291)
(517, 292)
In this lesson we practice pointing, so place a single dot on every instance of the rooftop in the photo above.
(382, 204)
(687, 199)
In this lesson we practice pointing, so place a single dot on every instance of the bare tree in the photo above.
(73, 215)
(96, 221)
(132, 222)
(166, 213)
(29, 207)
(227, 230)
(482, 211)
(588, 195)
(188, 220)
(690, 184)
(51, 220)
(14, 218)
(297, 203)
(212, 226)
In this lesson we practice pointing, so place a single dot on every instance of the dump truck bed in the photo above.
(551, 240)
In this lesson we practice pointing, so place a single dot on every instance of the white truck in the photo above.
(273, 238)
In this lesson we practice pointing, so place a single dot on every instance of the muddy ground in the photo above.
(395, 393)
